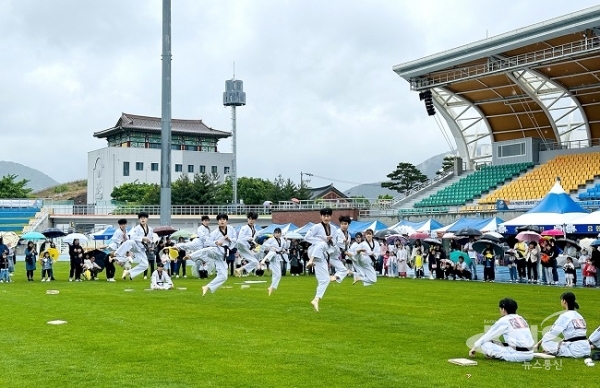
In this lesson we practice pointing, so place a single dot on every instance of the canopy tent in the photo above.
(107, 233)
(406, 223)
(428, 225)
(302, 231)
(488, 224)
(557, 208)
(361, 226)
(460, 224)
(284, 228)
(588, 224)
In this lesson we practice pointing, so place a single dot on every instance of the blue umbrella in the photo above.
(595, 243)
(33, 236)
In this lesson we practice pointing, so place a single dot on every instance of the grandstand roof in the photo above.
(541, 81)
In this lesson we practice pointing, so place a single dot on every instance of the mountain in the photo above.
(373, 190)
(37, 179)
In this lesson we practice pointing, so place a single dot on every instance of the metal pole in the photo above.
(234, 161)
(165, 149)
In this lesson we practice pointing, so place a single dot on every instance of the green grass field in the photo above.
(396, 333)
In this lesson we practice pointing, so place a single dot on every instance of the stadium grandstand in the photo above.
(523, 109)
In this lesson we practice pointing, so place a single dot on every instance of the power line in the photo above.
(342, 181)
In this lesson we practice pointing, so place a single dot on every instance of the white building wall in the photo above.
(105, 167)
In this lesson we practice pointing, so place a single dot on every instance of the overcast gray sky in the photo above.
(322, 96)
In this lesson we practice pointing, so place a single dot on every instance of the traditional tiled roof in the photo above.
(320, 192)
(153, 124)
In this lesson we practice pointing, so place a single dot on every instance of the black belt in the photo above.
(518, 348)
(575, 339)
(226, 252)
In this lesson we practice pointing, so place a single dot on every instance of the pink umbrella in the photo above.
(553, 232)
(419, 236)
(528, 236)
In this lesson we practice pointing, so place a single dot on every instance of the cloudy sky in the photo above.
(322, 96)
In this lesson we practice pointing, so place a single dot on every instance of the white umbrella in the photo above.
(293, 236)
(75, 236)
(405, 229)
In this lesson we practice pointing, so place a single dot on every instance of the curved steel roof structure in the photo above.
(541, 81)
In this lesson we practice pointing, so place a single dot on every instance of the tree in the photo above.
(136, 193)
(405, 177)
(9, 188)
(447, 164)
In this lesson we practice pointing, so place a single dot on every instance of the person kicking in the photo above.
(217, 248)
(321, 236)
(343, 240)
(277, 253)
(245, 245)
(116, 241)
(141, 238)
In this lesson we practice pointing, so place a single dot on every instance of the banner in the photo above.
(505, 205)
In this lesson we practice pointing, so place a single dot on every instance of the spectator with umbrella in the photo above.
(30, 260)
(468, 247)
(532, 256)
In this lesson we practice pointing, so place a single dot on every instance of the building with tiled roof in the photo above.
(133, 153)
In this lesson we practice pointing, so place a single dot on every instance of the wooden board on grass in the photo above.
(462, 361)
(542, 355)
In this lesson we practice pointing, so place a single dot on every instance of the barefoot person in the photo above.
(365, 255)
(573, 328)
(321, 236)
(518, 342)
(218, 244)
(276, 249)
(342, 240)
(141, 238)
(118, 237)
(245, 245)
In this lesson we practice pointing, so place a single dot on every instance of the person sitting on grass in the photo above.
(462, 270)
(518, 342)
(160, 279)
(573, 329)
(90, 267)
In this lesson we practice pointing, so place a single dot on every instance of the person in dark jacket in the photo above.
(76, 256)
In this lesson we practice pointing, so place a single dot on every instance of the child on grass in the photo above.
(589, 273)
(419, 273)
(569, 269)
(4, 268)
(47, 262)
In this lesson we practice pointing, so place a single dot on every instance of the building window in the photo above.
(153, 166)
(191, 168)
(190, 148)
(214, 170)
(125, 168)
(139, 166)
(176, 147)
(511, 150)
(226, 170)
(154, 145)
(202, 170)
(178, 168)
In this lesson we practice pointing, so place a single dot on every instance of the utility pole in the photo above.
(165, 142)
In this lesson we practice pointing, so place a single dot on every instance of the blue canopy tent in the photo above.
(488, 224)
(284, 228)
(459, 224)
(107, 233)
(428, 225)
(556, 210)
(302, 231)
